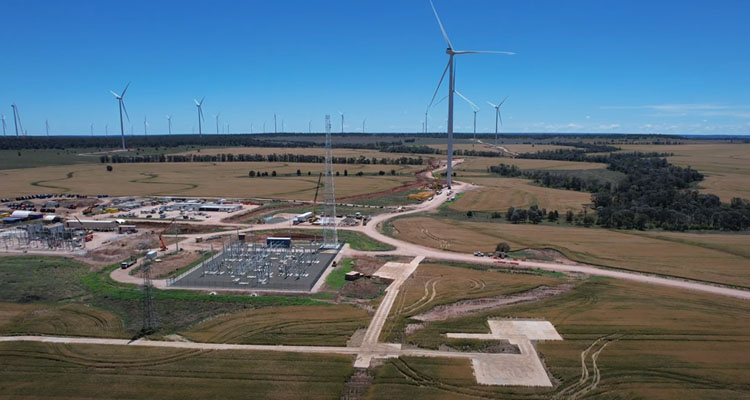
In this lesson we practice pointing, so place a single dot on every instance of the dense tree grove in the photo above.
(653, 194)
(228, 157)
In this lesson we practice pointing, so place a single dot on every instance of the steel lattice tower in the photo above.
(330, 236)
(150, 320)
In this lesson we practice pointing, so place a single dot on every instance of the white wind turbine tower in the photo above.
(106, 129)
(46, 126)
(121, 102)
(497, 115)
(363, 125)
(473, 108)
(309, 126)
(145, 126)
(217, 122)
(451, 88)
(4, 125)
(199, 104)
(342, 121)
(91, 128)
(169, 124)
(17, 119)
(274, 124)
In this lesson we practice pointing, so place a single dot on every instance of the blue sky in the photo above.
(581, 66)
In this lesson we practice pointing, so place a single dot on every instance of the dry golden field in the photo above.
(197, 179)
(330, 325)
(50, 371)
(649, 341)
(714, 257)
(486, 146)
(317, 151)
(432, 285)
(497, 194)
(726, 165)
(482, 163)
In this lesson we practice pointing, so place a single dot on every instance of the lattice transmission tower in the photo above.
(330, 236)
(150, 319)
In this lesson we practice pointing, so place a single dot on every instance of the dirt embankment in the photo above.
(170, 263)
(177, 227)
(466, 307)
(252, 215)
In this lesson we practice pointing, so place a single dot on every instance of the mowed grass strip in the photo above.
(717, 257)
(36, 370)
(663, 343)
(322, 325)
(497, 194)
(200, 179)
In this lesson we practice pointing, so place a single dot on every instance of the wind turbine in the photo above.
(145, 126)
(217, 122)
(309, 126)
(4, 128)
(342, 121)
(274, 123)
(91, 128)
(473, 108)
(106, 129)
(363, 125)
(497, 115)
(169, 123)
(46, 126)
(17, 119)
(199, 104)
(451, 88)
(120, 100)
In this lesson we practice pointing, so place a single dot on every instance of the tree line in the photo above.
(228, 157)
(653, 194)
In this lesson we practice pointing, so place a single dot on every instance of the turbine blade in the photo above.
(124, 109)
(196, 102)
(202, 98)
(115, 94)
(510, 53)
(501, 103)
(125, 90)
(441, 100)
(442, 29)
(440, 82)
(474, 106)
(500, 116)
(493, 105)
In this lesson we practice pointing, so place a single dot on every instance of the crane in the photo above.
(161, 239)
(315, 199)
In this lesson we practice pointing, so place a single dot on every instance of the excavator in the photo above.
(161, 234)
(314, 217)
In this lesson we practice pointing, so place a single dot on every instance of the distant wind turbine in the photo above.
(497, 115)
(342, 121)
(106, 129)
(274, 123)
(91, 127)
(169, 124)
(451, 88)
(309, 126)
(199, 104)
(46, 126)
(17, 119)
(363, 125)
(473, 108)
(121, 102)
(217, 123)
(145, 126)
(4, 125)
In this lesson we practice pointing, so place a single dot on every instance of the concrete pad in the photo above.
(510, 370)
(532, 330)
